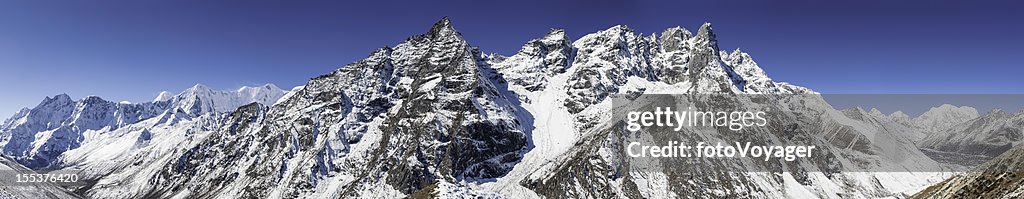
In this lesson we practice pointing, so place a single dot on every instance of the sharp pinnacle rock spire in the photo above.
(441, 28)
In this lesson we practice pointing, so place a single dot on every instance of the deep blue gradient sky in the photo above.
(131, 50)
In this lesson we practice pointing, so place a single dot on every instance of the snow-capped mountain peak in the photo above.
(198, 89)
(163, 96)
(745, 66)
(248, 89)
(875, 111)
(265, 94)
(674, 39)
(443, 28)
(943, 117)
(59, 98)
(901, 118)
(556, 35)
(425, 108)
(201, 99)
(537, 61)
(899, 114)
(706, 37)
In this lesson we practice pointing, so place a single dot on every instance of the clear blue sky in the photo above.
(131, 50)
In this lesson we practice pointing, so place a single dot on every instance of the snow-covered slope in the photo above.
(113, 161)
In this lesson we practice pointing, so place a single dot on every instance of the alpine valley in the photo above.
(434, 116)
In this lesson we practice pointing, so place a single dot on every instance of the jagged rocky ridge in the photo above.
(620, 61)
(391, 124)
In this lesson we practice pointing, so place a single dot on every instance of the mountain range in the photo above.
(434, 116)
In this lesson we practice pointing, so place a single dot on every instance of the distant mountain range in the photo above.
(36, 137)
